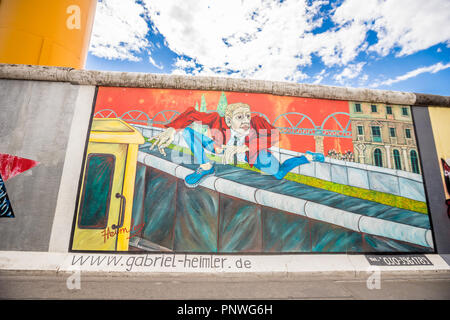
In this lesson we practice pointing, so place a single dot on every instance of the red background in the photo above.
(152, 101)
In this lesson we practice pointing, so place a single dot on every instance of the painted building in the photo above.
(383, 136)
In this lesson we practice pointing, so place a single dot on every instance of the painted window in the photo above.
(360, 130)
(374, 108)
(96, 191)
(388, 109)
(408, 133)
(397, 160)
(405, 111)
(377, 157)
(414, 162)
(392, 132)
(376, 134)
(357, 107)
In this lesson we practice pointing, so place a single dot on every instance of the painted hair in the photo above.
(232, 107)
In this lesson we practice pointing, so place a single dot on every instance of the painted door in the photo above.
(101, 203)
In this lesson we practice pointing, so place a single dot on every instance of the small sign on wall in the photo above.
(399, 260)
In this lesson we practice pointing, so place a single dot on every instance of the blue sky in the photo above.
(401, 45)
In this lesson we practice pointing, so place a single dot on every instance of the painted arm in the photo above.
(165, 138)
(191, 115)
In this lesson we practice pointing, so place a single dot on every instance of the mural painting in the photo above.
(171, 170)
(439, 117)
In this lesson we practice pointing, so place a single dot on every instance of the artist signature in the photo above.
(134, 231)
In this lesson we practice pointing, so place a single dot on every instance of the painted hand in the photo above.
(218, 150)
(163, 140)
(230, 151)
(309, 157)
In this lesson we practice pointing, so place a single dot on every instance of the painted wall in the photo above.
(330, 203)
(370, 177)
(153, 101)
(46, 126)
(35, 122)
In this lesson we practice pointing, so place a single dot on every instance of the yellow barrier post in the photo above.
(46, 32)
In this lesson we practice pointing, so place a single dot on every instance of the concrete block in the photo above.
(334, 216)
(138, 128)
(290, 152)
(358, 178)
(412, 189)
(388, 171)
(308, 169)
(339, 174)
(323, 171)
(356, 165)
(235, 189)
(394, 230)
(384, 183)
(178, 138)
(336, 161)
(280, 201)
(160, 164)
(409, 175)
(148, 133)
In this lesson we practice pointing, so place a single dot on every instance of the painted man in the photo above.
(238, 136)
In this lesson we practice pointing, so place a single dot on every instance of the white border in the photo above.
(225, 264)
(65, 205)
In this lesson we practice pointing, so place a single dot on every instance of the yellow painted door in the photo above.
(101, 203)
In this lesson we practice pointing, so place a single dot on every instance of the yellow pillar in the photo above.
(46, 32)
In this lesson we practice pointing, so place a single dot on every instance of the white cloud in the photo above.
(410, 25)
(363, 79)
(249, 39)
(274, 41)
(350, 72)
(319, 77)
(268, 39)
(184, 64)
(152, 61)
(119, 30)
(414, 73)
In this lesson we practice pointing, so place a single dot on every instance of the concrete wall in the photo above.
(280, 202)
(35, 122)
(397, 182)
(147, 80)
(45, 116)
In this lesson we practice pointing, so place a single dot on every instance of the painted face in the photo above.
(240, 121)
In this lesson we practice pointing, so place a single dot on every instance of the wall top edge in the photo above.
(149, 80)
